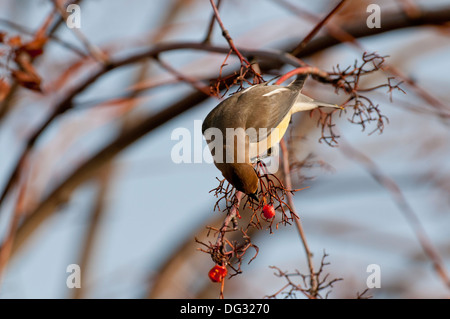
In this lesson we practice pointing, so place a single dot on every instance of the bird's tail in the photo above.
(298, 83)
(324, 104)
(305, 103)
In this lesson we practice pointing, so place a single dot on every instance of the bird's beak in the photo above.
(254, 197)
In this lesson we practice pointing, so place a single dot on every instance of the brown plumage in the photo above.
(258, 107)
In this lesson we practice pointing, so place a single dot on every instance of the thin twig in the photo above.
(55, 38)
(197, 84)
(333, 29)
(211, 24)
(317, 28)
(231, 215)
(227, 36)
(290, 199)
(95, 52)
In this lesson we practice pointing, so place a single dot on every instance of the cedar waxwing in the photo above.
(250, 122)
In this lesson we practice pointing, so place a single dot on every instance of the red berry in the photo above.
(217, 273)
(268, 211)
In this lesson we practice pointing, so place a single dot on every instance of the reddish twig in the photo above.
(333, 29)
(303, 70)
(232, 214)
(245, 64)
(362, 295)
(227, 36)
(317, 28)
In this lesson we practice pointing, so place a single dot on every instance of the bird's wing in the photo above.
(304, 102)
(298, 83)
(269, 106)
(260, 107)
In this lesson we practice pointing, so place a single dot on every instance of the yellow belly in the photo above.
(257, 149)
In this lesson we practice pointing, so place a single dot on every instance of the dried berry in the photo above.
(217, 273)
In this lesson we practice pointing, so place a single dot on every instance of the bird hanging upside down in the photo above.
(250, 123)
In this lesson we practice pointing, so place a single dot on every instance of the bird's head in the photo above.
(243, 177)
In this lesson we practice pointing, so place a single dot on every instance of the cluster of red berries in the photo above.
(219, 272)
